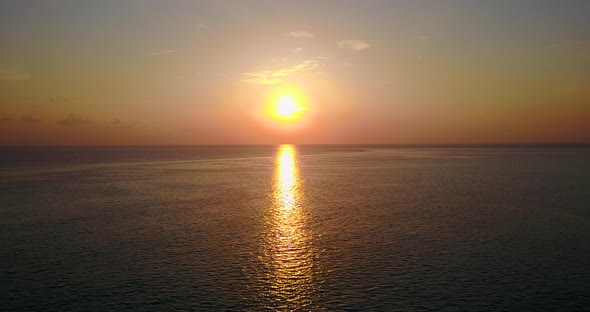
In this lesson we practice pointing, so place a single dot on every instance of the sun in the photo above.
(286, 106)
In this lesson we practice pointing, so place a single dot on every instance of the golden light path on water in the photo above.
(288, 252)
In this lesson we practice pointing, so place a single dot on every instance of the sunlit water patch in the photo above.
(288, 281)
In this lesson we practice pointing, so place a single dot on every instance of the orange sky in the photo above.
(206, 72)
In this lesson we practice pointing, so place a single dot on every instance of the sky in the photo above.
(145, 72)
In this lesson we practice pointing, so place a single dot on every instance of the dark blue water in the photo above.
(295, 228)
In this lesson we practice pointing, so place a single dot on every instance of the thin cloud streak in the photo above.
(296, 50)
(4, 117)
(29, 119)
(14, 75)
(353, 45)
(164, 52)
(73, 120)
(277, 76)
(300, 34)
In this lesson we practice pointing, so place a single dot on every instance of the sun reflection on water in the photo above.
(287, 184)
(288, 254)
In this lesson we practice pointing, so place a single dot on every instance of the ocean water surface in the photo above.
(295, 228)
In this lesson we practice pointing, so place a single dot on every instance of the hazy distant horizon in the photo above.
(525, 144)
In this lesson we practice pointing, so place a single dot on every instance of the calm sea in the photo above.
(294, 228)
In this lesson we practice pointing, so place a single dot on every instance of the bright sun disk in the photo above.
(286, 106)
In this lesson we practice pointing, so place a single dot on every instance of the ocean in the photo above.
(295, 228)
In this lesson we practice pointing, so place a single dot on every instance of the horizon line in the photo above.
(417, 145)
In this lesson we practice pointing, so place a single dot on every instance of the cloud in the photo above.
(73, 120)
(4, 117)
(279, 60)
(263, 77)
(29, 119)
(25, 118)
(201, 28)
(300, 34)
(163, 52)
(296, 50)
(56, 100)
(116, 123)
(306, 67)
(14, 75)
(423, 38)
(353, 45)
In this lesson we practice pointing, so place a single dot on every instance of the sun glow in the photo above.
(285, 105)
(284, 109)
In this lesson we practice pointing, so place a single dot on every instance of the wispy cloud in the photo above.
(263, 77)
(423, 38)
(306, 67)
(279, 60)
(8, 74)
(73, 120)
(24, 119)
(29, 119)
(57, 100)
(116, 123)
(353, 45)
(4, 117)
(201, 28)
(300, 34)
(163, 52)
(296, 50)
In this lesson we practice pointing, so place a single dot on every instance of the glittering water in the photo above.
(295, 228)
(288, 278)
